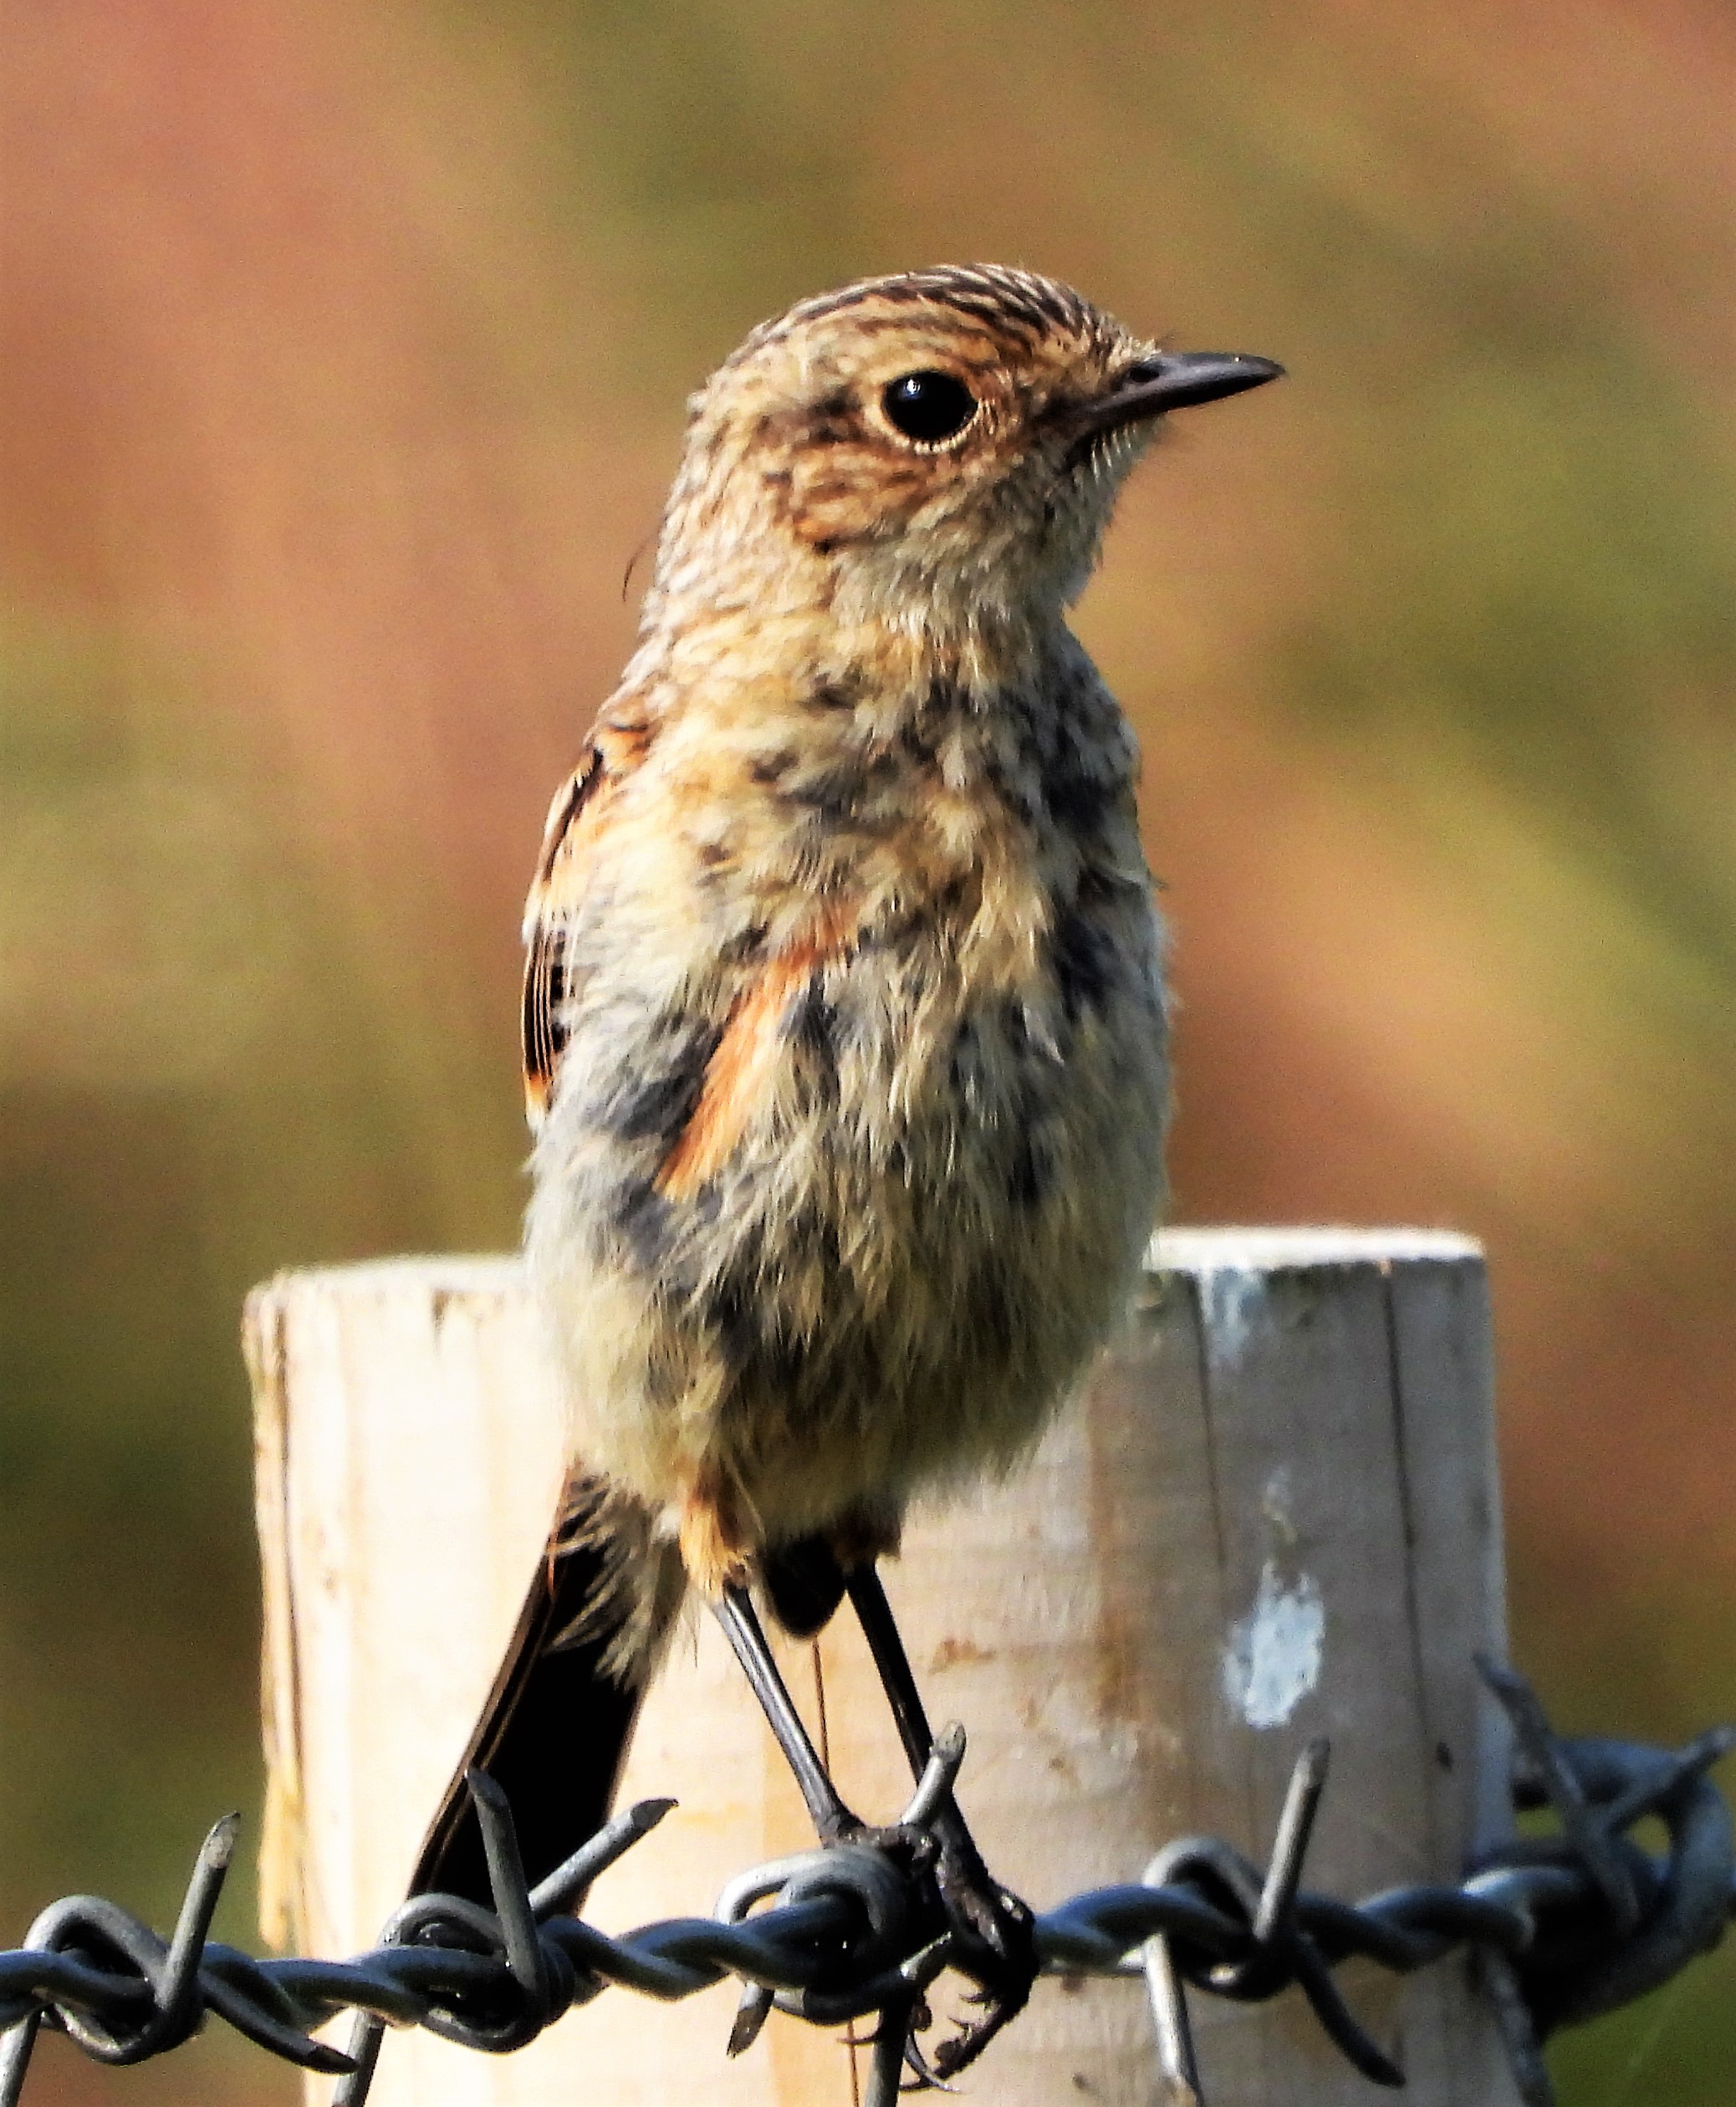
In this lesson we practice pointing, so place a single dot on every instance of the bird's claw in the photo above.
(927, 2078)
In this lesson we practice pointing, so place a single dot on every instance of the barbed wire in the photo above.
(1563, 1927)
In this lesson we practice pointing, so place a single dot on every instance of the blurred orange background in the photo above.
(344, 347)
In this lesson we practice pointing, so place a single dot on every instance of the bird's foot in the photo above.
(994, 1945)
(992, 1939)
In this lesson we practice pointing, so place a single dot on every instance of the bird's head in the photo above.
(938, 449)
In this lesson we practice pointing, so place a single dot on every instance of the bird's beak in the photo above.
(1172, 380)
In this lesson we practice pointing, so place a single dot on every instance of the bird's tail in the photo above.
(554, 1731)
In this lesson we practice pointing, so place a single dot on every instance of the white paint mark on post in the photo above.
(1275, 1652)
(1232, 1301)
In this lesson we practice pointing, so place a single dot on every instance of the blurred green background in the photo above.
(344, 350)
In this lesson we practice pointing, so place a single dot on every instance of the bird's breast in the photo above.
(846, 1195)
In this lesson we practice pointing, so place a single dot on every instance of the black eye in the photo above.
(929, 406)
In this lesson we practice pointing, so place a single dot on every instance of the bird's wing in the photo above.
(741, 1065)
(553, 1729)
(617, 744)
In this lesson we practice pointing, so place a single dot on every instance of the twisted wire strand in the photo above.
(1564, 1928)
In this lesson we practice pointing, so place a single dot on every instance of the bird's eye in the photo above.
(929, 407)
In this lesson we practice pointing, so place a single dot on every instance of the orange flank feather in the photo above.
(741, 1071)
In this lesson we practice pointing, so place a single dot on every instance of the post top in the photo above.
(1190, 1251)
(1281, 1250)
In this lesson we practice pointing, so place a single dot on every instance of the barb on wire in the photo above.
(1564, 1927)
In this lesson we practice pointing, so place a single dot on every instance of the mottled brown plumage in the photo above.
(843, 1015)
(851, 1082)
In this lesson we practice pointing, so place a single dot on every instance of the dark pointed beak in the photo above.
(1174, 380)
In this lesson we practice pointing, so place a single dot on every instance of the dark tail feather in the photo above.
(554, 1731)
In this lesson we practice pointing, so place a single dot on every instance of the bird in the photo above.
(845, 1021)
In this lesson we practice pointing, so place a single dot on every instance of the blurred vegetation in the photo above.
(340, 367)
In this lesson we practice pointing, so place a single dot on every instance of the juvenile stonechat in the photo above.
(843, 1020)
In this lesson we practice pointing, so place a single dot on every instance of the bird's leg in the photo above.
(735, 1612)
(714, 1551)
(994, 1925)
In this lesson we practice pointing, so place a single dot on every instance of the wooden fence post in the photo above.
(1275, 1514)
